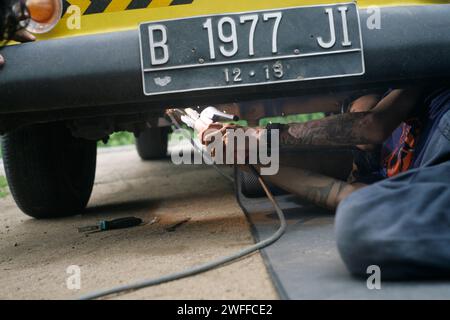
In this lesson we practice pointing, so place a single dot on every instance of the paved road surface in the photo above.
(34, 254)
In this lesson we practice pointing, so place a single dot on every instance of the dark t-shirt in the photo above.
(405, 148)
(438, 104)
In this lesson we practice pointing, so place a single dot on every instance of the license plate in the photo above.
(251, 48)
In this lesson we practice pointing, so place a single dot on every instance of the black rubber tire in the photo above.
(151, 143)
(250, 186)
(50, 173)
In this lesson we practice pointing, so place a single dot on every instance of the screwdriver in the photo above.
(119, 223)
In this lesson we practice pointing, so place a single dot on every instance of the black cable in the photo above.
(209, 265)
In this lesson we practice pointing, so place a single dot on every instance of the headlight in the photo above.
(44, 15)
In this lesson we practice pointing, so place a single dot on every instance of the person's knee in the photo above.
(378, 226)
(367, 235)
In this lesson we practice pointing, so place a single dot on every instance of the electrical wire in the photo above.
(209, 265)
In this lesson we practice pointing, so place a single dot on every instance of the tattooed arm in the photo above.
(341, 130)
(319, 189)
(355, 128)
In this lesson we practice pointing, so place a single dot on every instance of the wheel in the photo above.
(250, 186)
(152, 143)
(50, 173)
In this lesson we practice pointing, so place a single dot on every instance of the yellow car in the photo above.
(101, 66)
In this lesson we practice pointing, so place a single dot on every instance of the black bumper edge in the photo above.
(413, 45)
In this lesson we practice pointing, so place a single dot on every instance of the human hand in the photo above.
(232, 139)
(20, 36)
(207, 132)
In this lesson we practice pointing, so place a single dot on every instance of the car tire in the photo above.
(151, 143)
(50, 173)
(250, 187)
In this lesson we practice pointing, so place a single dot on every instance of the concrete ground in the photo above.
(35, 254)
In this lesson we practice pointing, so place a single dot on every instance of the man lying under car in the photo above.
(394, 211)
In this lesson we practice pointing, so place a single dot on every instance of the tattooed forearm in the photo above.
(325, 195)
(321, 190)
(342, 130)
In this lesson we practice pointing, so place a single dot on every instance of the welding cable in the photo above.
(209, 265)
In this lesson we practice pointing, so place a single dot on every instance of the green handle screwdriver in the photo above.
(119, 223)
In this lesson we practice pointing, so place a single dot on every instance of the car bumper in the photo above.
(412, 44)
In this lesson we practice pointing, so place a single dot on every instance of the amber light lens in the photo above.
(44, 15)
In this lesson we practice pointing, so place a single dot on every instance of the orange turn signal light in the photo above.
(44, 15)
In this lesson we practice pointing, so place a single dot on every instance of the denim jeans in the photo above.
(402, 224)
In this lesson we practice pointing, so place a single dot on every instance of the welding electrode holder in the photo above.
(209, 115)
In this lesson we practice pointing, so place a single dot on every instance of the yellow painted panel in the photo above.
(116, 5)
(115, 18)
(83, 4)
(160, 3)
